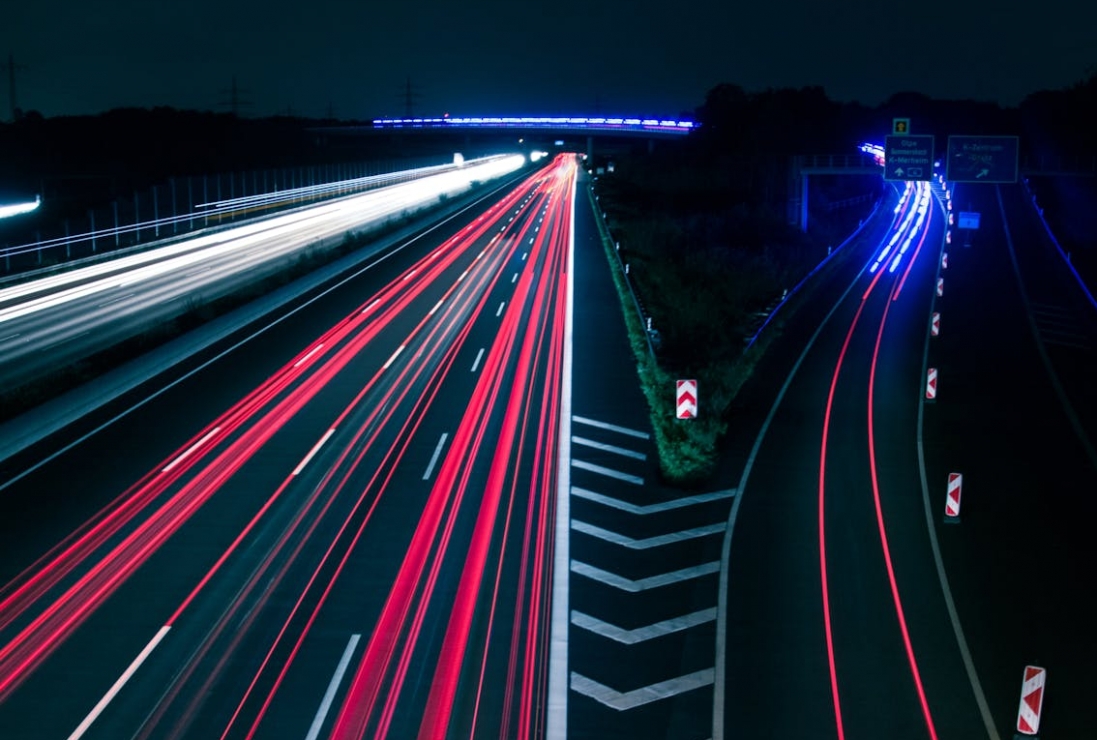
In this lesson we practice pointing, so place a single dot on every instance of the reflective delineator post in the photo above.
(931, 385)
(1032, 700)
(935, 324)
(952, 498)
(940, 286)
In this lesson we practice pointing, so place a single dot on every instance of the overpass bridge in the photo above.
(573, 129)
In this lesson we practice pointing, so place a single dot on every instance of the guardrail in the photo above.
(603, 229)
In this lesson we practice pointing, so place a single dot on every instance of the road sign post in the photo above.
(908, 157)
(990, 159)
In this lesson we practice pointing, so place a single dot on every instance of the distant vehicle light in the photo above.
(18, 209)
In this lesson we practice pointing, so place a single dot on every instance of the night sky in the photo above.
(489, 57)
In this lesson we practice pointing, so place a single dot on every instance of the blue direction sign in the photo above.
(908, 157)
(982, 159)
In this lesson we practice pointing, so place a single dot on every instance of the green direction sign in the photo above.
(982, 159)
(908, 157)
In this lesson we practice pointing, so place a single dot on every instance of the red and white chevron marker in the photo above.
(940, 286)
(944, 260)
(931, 384)
(935, 324)
(687, 399)
(952, 499)
(1032, 700)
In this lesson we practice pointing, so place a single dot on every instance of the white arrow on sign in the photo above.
(898, 171)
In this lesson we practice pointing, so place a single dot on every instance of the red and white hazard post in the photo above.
(944, 260)
(952, 498)
(1032, 700)
(940, 286)
(686, 399)
(931, 384)
(935, 324)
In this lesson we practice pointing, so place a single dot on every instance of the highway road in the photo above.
(852, 608)
(342, 528)
(56, 320)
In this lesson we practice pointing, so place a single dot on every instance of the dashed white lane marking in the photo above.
(434, 457)
(192, 448)
(333, 686)
(315, 448)
(645, 695)
(648, 542)
(647, 632)
(479, 356)
(121, 682)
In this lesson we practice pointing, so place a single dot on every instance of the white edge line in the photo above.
(192, 448)
(434, 457)
(393, 358)
(315, 448)
(119, 684)
(556, 722)
(333, 686)
(725, 550)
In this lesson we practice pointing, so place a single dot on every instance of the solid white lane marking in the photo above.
(315, 448)
(434, 457)
(644, 695)
(608, 471)
(648, 542)
(643, 584)
(121, 682)
(312, 351)
(500, 311)
(333, 686)
(556, 720)
(631, 508)
(609, 448)
(479, 356)
(393, 358)
(611, 427)
(190, 449)
(647, 632)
